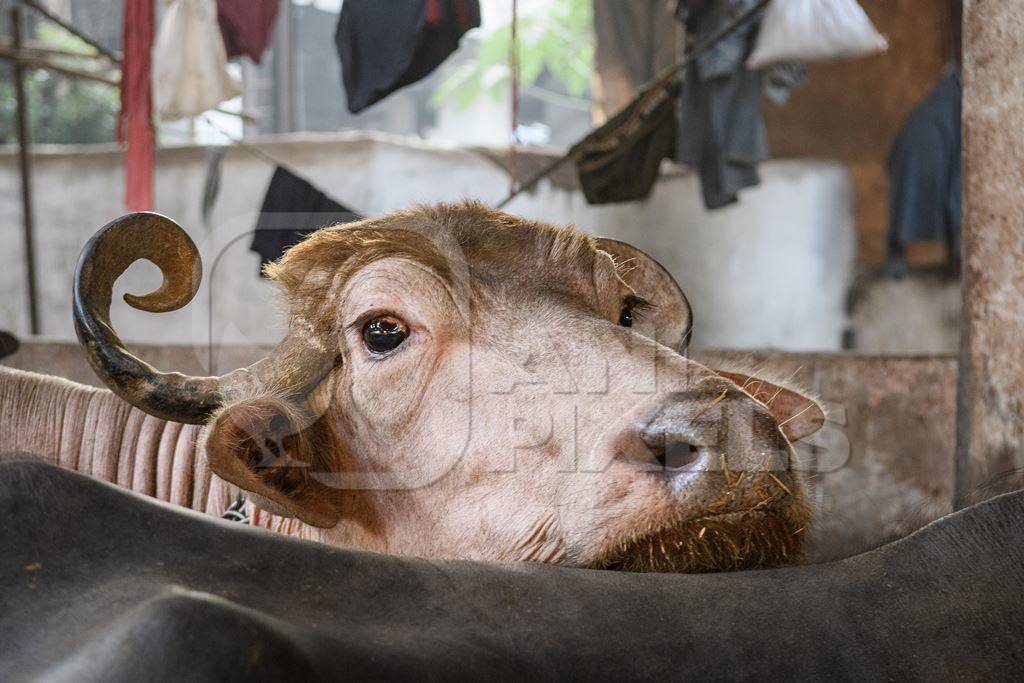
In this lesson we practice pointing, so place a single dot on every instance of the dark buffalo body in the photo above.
(102, 584)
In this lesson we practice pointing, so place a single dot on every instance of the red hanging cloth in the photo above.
(135, 123)
(433, 12)
(246, 26)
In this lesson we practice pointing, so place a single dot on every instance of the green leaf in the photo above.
(557, 40)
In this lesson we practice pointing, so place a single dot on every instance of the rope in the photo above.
(513, 65)
(241, 144)
(696, 51)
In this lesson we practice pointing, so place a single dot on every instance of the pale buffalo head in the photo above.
(462, 383)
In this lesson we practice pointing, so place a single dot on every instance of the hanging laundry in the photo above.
(293, 208)
(720, 130)
(135, 120)
(634, 42)
(385, 45)
(246, 26)
(620, 161)
(814, 31)
(925, 175)
(189, 61)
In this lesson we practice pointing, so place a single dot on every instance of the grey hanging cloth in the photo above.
(925, 175)
(619, 162)
(385, 45)
(293, 208)
(721, 131)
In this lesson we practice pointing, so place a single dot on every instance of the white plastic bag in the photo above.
(814, 31)
(190, 72)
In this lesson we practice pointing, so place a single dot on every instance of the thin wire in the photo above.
(99, 47)
(241, 144)
(257, 153)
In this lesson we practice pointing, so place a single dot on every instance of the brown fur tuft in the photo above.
(770, 534)
(314, 271)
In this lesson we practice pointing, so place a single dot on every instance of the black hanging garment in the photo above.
(8, 344)
(385, 45)
(619, 162)
(924, 175)
(292, 209)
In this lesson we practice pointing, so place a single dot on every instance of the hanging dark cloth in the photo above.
(711, 121)
(246, 26)
(385, 45)
(620, 161)
(721, 130)
(211, 184)
(8, 344)
(293, 208)
(925, 175)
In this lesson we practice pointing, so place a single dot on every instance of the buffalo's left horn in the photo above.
(295, 367)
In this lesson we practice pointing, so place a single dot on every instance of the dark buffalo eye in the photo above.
(384, 334)
(631, 307)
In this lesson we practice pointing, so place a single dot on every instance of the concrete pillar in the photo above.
(990, 441)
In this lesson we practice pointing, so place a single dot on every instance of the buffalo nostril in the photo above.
(678, 455)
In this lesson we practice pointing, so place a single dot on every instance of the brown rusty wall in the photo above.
(852, 110)
(990, 446)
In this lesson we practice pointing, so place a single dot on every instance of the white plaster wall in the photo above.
(772, 271)
(919, 314)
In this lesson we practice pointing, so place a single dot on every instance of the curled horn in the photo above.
(295, 367)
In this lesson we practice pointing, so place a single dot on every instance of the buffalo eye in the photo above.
(384, 334)
(626, 316)
(632, 306)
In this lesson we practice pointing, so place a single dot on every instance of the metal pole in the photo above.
(285, 92)
(25, 162)
(44, 49)
(27, 59)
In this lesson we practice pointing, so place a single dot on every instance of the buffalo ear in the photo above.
(798, 416)
(673, 317)
(263, 447)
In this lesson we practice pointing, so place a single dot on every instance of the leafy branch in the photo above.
(557, 40)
